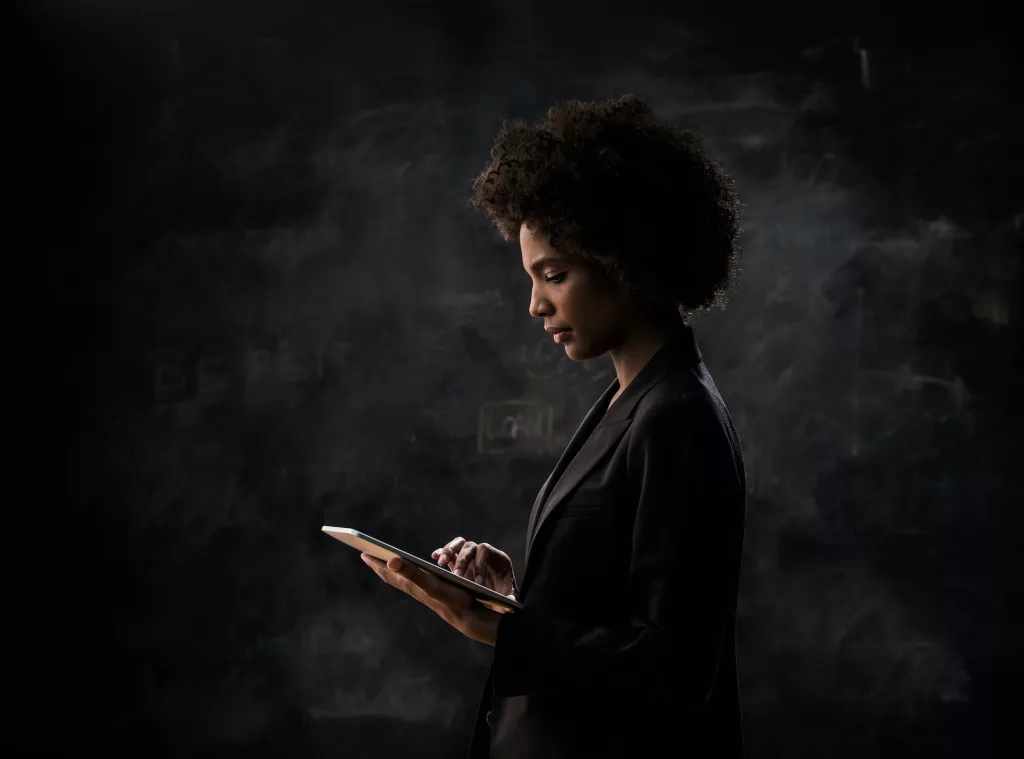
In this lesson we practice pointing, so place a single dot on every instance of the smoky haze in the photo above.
(271, 307)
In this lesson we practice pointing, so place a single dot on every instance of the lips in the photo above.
(556, 330)
(562, 335)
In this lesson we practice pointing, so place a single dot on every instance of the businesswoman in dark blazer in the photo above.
(626, 642)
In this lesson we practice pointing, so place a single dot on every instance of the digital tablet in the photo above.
(381, 550)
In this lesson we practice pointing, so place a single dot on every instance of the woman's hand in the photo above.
(483, 564)
(454, 605)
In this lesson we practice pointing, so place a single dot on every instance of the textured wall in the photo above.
(264, 305)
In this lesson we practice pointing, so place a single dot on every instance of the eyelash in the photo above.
(552, 278)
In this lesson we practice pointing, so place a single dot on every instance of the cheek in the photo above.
(589, 307)
(579, 299)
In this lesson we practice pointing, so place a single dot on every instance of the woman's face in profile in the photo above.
(573, 294)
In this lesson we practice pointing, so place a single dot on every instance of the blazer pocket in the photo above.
(592, 509)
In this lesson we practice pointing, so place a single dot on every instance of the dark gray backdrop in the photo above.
(258, 302)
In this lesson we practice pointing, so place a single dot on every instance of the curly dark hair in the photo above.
(610, 185)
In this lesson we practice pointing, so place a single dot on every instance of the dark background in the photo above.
(247, 297)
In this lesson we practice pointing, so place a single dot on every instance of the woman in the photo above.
(626, 639)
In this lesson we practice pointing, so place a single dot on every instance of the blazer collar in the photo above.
(680, 350)
(602, 428)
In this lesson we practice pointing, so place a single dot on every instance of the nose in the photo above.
(538, 309)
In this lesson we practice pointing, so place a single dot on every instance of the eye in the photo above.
(556, 278)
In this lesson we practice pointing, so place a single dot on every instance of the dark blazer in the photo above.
(626, 642)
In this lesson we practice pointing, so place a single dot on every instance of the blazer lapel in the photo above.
(581, 434)
(586, 450)
(600, 442)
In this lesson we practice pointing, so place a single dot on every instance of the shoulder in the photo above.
(684, 416)
(680, 398)
(678, 422)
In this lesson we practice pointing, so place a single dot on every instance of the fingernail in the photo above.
(479, 579)
(458, 572)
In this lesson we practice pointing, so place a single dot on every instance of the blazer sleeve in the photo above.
(682, 577)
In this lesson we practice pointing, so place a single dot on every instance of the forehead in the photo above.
(537, 250)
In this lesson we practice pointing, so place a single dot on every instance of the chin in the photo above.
(580, 352)
(573, 351)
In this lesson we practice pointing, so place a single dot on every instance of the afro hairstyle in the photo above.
(612, 186)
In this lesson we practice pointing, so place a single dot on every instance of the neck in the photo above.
(633, 353)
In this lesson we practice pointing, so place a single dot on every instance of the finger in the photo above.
(465, 556)
(493, 607)
(442, 598)
(376, 565)
(484, 571)
(439, 555)
(446, 554)
(406, 576)
(388, 570)
(413, 581)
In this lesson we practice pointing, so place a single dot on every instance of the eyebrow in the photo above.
(547, 260)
